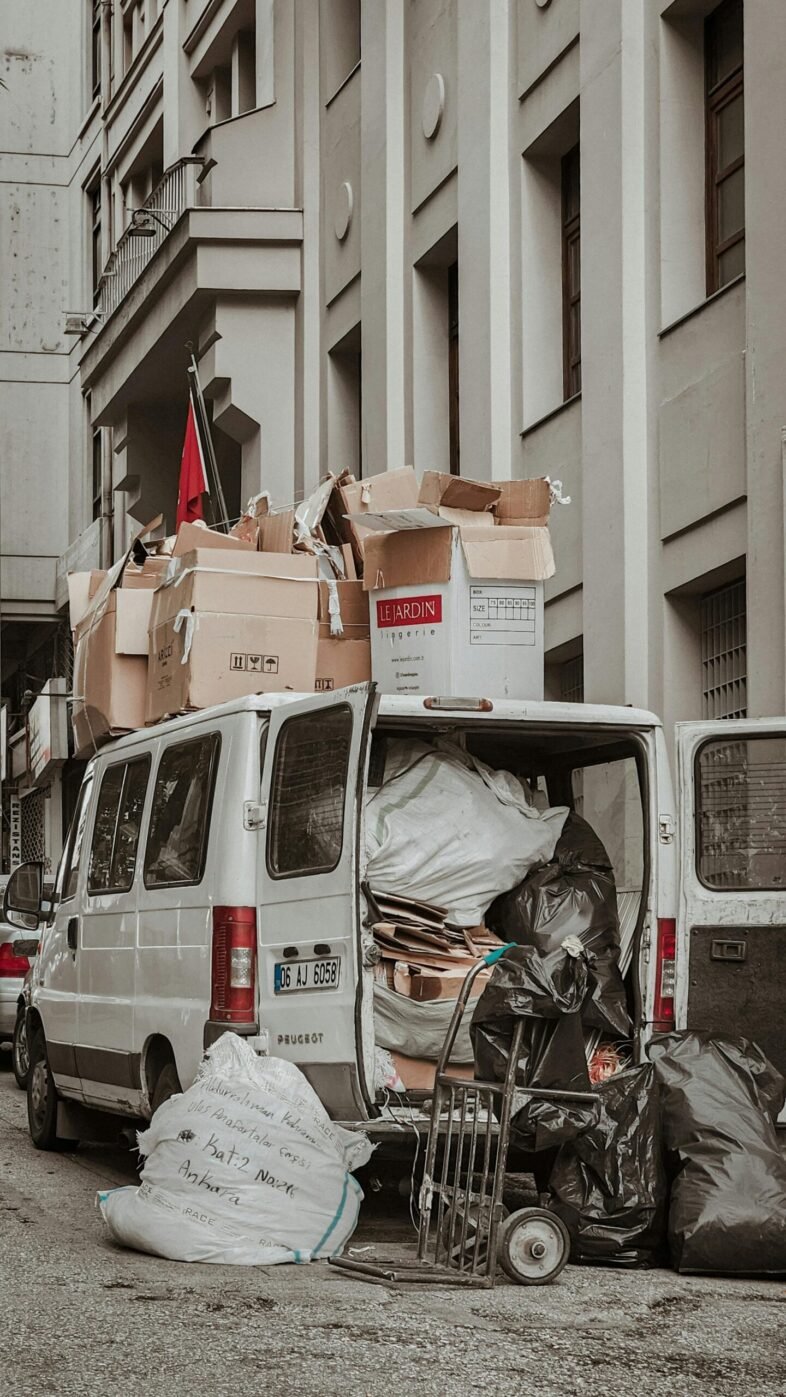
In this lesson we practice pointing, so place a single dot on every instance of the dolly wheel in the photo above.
(534, 1246)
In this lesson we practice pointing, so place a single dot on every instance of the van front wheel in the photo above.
(167, 1084)
(42, 1099)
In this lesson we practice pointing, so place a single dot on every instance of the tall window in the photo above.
(95, 47)
(725, 145)
(453, 369)
(96, 258)
(571, 274)
(98, 474)
(723, 653)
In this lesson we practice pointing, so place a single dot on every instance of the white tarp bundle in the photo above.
(447, 829)
(244, 1168)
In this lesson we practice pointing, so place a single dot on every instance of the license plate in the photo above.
(322, 974)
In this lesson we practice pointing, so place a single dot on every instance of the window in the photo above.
(98, 474)
(95, 48)
(741, 813)
(76, 839)
(571, 274)
(339, 43)
(723, 653)
(725, 145)
(453, 369)
(308, 793)
(96, 259)
(116, 830)
(571, 680)
(179, 823)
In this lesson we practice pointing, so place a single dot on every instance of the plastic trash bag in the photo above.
(609, 1185)
(572, 895)
(719, 1098)
(447, 829)
(548, 992)
(245, 1168)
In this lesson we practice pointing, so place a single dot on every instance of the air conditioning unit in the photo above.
(80, 322)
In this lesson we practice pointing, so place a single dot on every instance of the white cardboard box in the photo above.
(457, 610)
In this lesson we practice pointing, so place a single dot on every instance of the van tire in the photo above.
(42, 1100)
(167, 1084)
(20, 1057)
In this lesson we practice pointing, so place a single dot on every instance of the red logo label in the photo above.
(409, 611)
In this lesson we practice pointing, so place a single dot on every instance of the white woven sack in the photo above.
(244, 1168)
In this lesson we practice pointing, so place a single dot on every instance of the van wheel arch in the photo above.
(158, 1055)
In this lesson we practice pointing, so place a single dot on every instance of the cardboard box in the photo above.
(524, 502)
(396, 489)
(455, 492)
(427, 983)
(277, 532)
(353, 604)
(227, 625)
(191, 536)
(417, 1073)
(110, 669)
(457, 610)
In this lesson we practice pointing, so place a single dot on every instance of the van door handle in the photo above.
(72, 932)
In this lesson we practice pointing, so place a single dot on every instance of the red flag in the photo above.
(193, 476)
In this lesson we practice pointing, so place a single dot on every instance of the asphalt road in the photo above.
(81, 1316)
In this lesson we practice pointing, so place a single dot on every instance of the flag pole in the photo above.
(205, 436)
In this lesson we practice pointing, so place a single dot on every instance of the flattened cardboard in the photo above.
(191, 536)
(411, 556)
(383, 521)
(516, 554)
(229, 656)
(277, 532)
(82, 587)
(456, 492)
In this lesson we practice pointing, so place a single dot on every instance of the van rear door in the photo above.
(308, 974)
(731, 926)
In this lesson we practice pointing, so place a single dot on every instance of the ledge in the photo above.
(547, 417)
(696, 310)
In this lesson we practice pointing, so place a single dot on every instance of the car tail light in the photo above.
(12, 966)
(233, 981)
(665, 974)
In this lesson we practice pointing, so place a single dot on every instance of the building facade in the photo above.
(498, 237)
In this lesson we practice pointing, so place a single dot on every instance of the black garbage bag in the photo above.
(572, 895)
(547, 992)
(719, 1098)
(609, 1185)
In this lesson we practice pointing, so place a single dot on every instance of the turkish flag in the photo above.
(193, 476)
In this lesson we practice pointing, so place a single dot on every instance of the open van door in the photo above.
(731, 926)
(308, 931)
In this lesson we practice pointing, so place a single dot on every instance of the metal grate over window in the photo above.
(33, 819)
(723, 653)
(741, 814)
(571, 680)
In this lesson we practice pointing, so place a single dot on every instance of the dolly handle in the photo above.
(492, 957)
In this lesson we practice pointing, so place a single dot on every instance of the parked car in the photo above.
(212, 853)
(14, 965)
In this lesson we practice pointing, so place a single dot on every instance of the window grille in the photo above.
(723, 653)
(572, 680)
(33, 814)
(64, 654)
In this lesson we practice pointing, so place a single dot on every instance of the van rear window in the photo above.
(308, 793)
(180, 818)
(741, 813)
(116, 829)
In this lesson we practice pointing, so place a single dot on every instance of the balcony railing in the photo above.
(175, 193)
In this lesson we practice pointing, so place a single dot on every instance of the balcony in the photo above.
(175, 193)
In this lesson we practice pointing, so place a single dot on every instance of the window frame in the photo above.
(719, 740)
(570, 168)
(158, 886)
(142, 759)
(96, 44)
(717, 96)
(82, 804)
(295, 718)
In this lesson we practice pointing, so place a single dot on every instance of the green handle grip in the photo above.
(492, 957)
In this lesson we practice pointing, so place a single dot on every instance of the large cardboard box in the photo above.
(227, 624)
(110, 652)
(397, 489)
(456, 609)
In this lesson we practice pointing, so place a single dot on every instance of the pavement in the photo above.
(81, 1316)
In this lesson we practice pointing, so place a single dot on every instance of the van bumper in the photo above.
(213, 1030)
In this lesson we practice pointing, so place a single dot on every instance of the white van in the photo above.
(212, 880)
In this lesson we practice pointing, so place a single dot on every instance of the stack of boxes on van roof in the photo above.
(453, 570)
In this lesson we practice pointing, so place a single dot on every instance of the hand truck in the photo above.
(464, 1229)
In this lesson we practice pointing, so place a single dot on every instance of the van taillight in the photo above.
(12, 966)
(665, 974)
(232, 996)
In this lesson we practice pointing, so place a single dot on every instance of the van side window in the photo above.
(73, 852)
(741, 813)
(179, 822)
(308, 791)
(116, 829)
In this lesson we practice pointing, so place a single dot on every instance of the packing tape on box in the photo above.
(189, 620)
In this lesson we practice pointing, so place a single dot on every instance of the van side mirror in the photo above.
(23, 894)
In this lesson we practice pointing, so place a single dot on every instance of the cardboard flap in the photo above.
(384, 521)
(407, 558)
(524, 502)
(456, 492)
(191, 536)
(516, 554)
(132, 619)
(465, 516)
